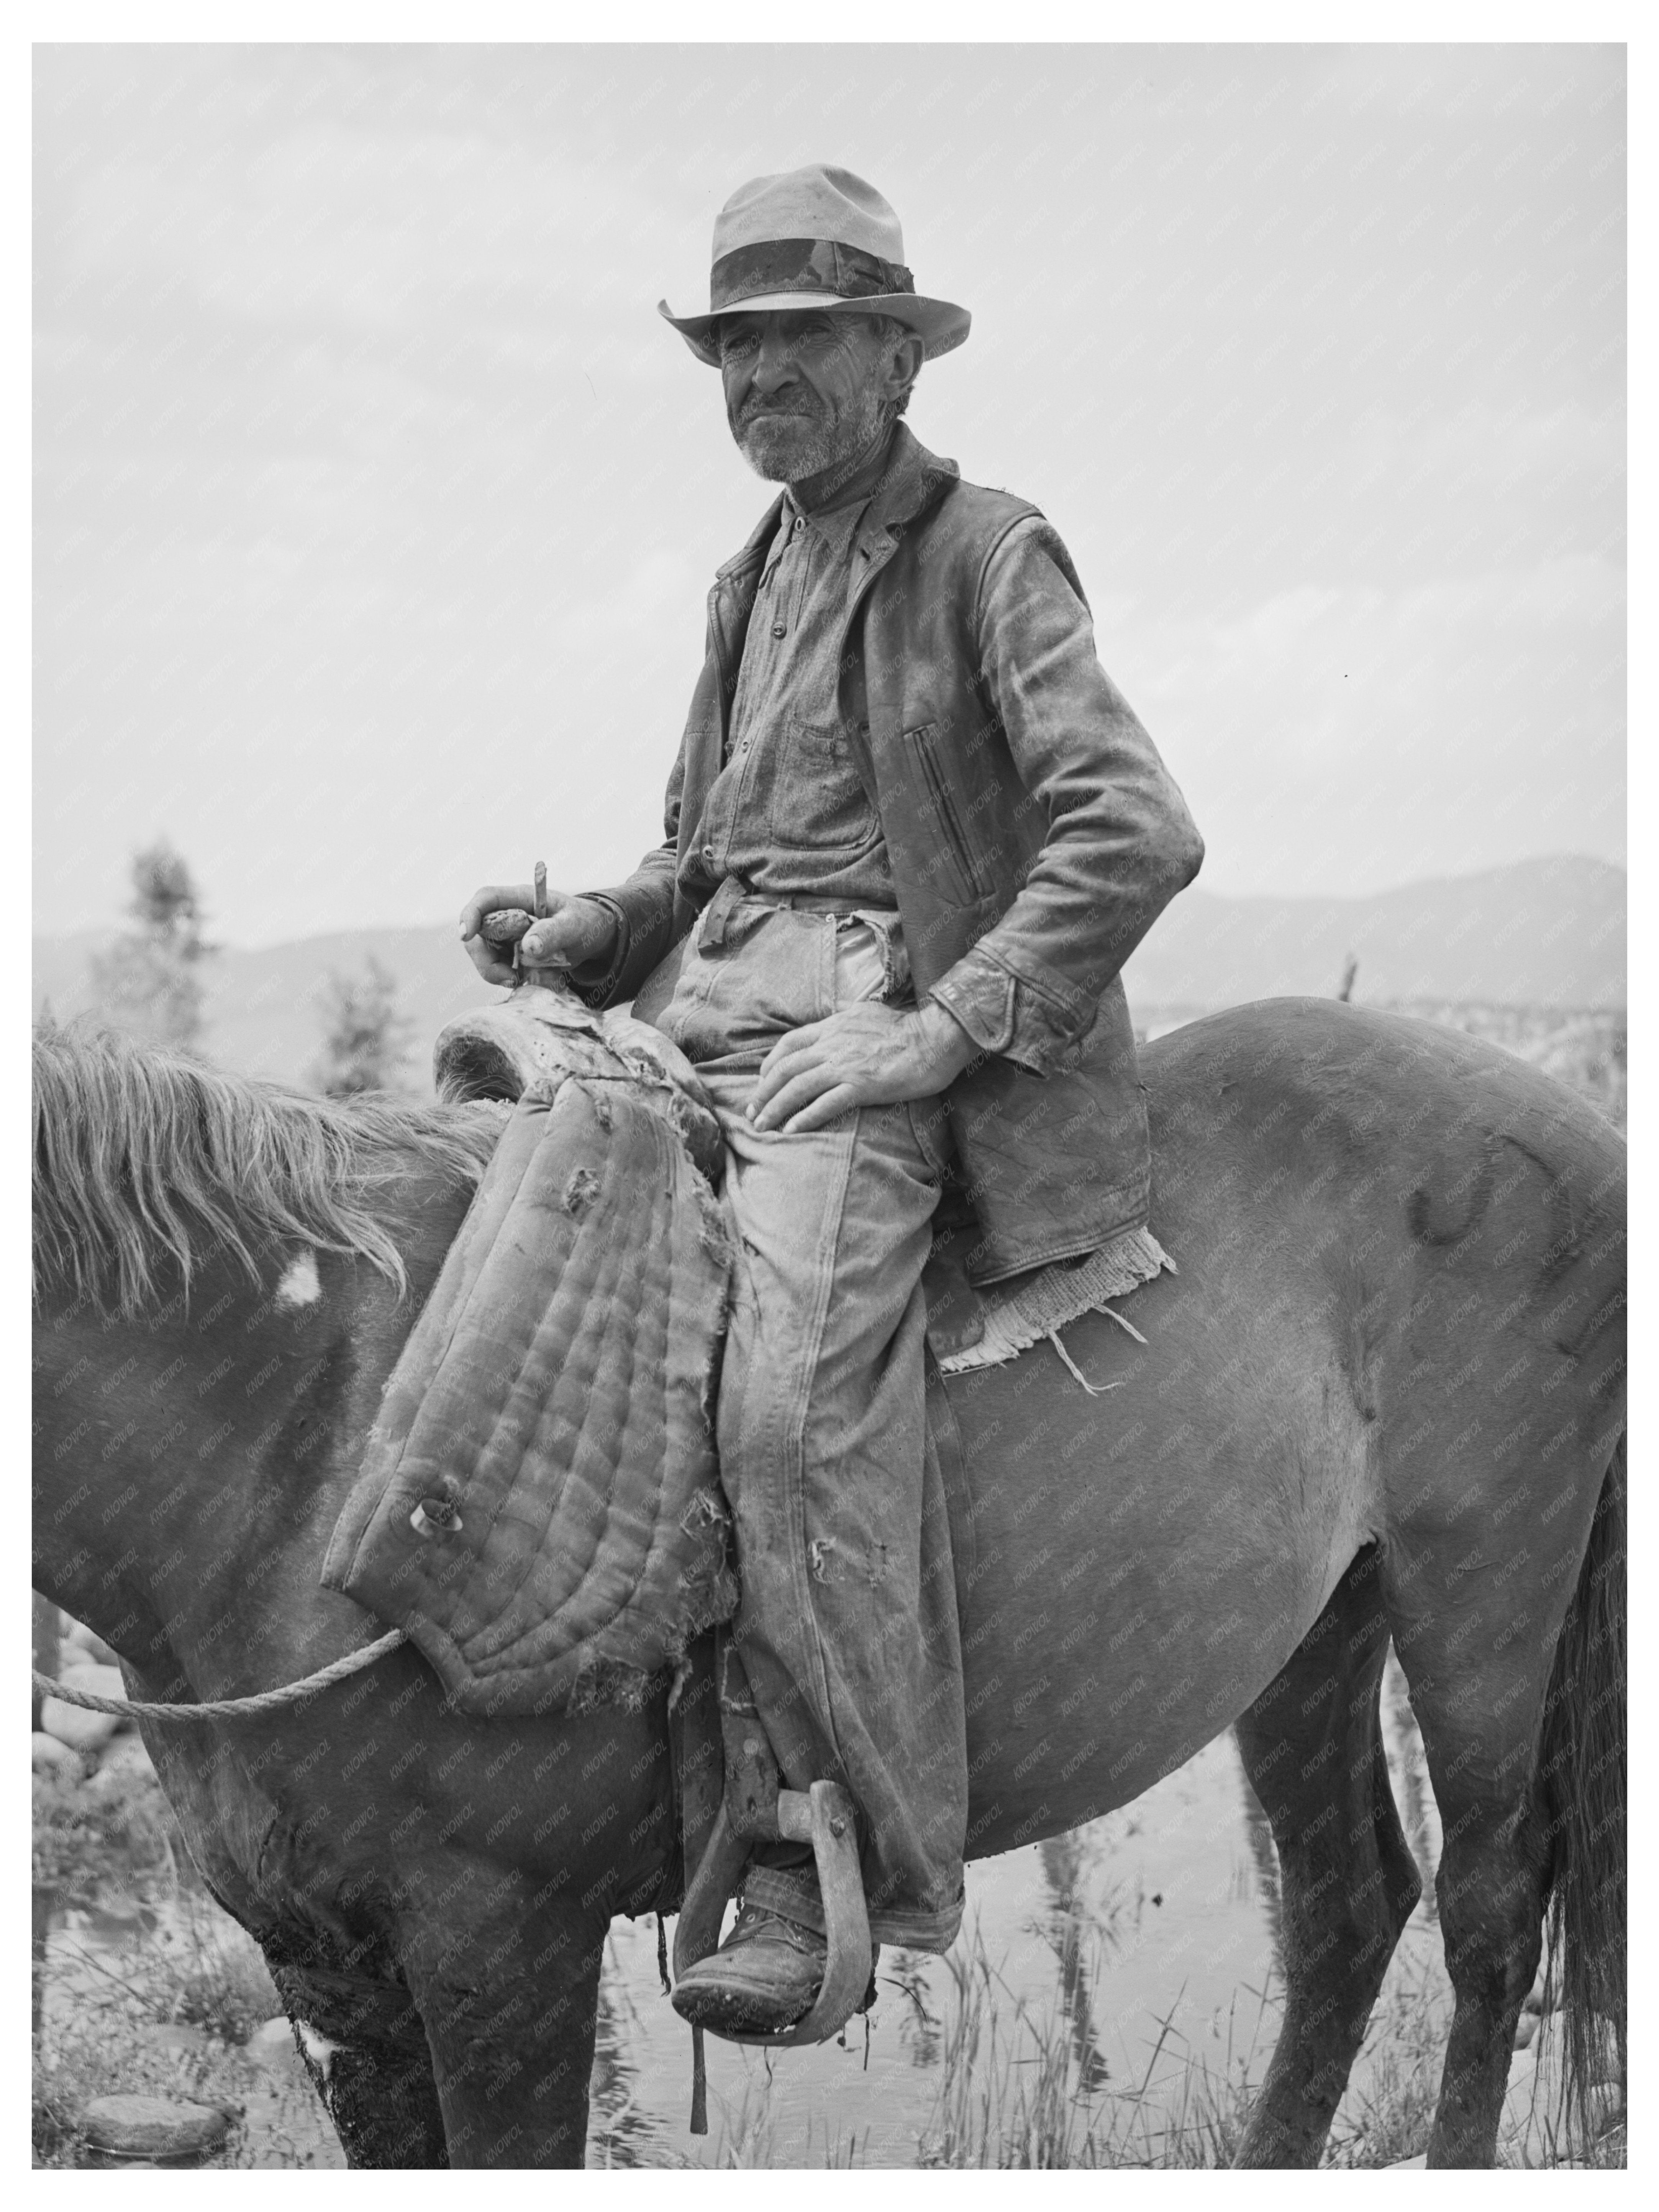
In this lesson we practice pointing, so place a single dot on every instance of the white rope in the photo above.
(264, 1701)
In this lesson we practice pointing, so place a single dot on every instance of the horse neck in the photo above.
(191, 1464)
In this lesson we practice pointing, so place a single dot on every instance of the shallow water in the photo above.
(1148, 1938)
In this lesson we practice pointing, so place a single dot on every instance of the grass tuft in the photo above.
(147, 1988)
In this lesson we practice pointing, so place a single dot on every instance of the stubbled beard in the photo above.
(808, 445)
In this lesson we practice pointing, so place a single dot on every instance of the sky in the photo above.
(376, 507)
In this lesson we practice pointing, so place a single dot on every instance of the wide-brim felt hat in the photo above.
(818, 238)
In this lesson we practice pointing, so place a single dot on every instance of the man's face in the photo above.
(805, 392)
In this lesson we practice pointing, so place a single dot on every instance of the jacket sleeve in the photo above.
(1119, 843)
(644, 908)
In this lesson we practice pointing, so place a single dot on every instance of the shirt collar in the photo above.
(837, 523)
(859, 489)
(913, 479)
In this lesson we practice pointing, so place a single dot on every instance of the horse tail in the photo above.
(1581, 1777)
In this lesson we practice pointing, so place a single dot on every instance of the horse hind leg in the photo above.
(1312, 1746)
(1492, 1888)
(1479, 1681)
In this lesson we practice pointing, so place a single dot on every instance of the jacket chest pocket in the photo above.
(952, 869)
(817, 801)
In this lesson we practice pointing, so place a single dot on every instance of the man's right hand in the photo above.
(573, 931)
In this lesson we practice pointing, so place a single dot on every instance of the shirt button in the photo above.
(778, 630)
(744, 747)
(708, 852)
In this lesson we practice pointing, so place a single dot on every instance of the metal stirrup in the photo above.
(822, 1816)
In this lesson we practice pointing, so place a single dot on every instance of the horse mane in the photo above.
(148, 1160)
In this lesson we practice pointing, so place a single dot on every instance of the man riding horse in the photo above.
(911, 836)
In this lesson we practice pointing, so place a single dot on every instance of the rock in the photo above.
(151, 2131)
(1402, 2165)
(78, 1637)
(81, 1730)
(272, 2042)
(123, 1756)
(1525, 2028)
(48, 1756)
(99, 1680)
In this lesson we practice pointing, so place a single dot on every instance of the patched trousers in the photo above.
(846, 1643)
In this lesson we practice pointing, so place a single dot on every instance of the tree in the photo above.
(365, 1038)
(148, 979)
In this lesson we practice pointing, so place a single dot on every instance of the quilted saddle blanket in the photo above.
(540, 1507)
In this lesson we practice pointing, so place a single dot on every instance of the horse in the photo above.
(1382, 1399)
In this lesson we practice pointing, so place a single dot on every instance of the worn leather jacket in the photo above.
(1034, 834)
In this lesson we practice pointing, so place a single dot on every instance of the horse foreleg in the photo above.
(365, 2052)
(1313, 1749)
(381, 2097)
(510, 2005)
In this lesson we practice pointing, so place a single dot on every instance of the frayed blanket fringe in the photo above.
(1037, 1309)
(1094, 1389)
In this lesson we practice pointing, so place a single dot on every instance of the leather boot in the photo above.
(763, 1979)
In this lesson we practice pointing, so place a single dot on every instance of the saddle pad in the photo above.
(538, 1507)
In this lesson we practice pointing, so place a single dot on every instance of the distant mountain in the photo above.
(1547, 932)
(264, 1009)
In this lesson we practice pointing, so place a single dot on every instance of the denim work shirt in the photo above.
(788, 811)
(791, 810)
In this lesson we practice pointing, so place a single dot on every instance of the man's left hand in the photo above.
(868, 1055)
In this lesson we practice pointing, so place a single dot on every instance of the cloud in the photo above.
(363, 228)
(1529, 84)
(1516, 467)
(1461, 719)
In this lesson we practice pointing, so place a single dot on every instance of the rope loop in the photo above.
(264, 1701)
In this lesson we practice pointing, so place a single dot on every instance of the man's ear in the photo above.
(906, 359)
